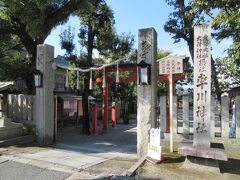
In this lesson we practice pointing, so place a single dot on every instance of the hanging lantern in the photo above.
(38, 78)
(90, 82)
(144, 73)
(66, 82)
(78, 80)
(104, 79)
(117, 75)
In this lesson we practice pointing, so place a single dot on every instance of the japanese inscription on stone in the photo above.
(154, 148)
(202, 85)
(145, 47)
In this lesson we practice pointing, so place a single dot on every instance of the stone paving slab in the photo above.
(66, 158)
(187, 148)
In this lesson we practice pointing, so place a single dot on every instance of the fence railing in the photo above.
(20, 108)
(221, 116)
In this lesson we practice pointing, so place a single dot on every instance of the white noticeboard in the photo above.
(171, 65)
(154, 148)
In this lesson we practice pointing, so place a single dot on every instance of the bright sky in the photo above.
(131, 15)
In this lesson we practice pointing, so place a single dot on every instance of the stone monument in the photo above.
(154, 146)
(201, 146)
(146, 94)
(45, 96)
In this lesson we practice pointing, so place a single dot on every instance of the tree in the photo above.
(32, 21)
(124, 92)
(226, 23)
(12, 58)
(96, 32)
(66, 42)
(181, 24)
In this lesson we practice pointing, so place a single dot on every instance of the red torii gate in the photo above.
(133, 77)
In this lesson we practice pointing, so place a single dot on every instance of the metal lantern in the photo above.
(38, 76)
(144, 73)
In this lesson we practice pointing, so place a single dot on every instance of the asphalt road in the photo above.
(10, 170)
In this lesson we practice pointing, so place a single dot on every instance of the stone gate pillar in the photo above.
(146, 108)
(45, 96)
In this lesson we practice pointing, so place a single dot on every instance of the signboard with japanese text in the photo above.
(202, 85)
(171, 65)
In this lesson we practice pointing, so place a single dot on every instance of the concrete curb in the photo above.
(18, 140)
(131, 172)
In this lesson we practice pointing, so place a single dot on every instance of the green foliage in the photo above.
(96, 29)
(66, 42)
(182, 20)
(121, 46)
(226, 23)
(13, 62)
(181, 24)
(162, 53)
(32, 21)
(24, 130)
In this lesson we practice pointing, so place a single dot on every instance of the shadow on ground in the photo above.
(232, 166)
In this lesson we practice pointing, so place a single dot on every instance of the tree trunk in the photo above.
(86, 123)
(215, 80)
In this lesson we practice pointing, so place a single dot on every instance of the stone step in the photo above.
(21, 140)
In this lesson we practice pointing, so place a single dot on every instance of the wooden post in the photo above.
(105, 107)
(114, 114)
(171, 110)
(94, 119)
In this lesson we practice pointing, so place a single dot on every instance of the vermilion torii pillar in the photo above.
(131, 78)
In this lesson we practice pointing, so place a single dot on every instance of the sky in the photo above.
(132, 15)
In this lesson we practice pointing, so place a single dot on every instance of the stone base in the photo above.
(154, 161)
(201, 164)
(4, 121)
(10, 130)
(216, 151)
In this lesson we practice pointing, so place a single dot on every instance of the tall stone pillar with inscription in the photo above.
(146, 112)
(201, 146)
(202, 86)
(44, 96)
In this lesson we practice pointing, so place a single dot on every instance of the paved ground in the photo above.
(76, 156)
(11, 170)
(106, 155)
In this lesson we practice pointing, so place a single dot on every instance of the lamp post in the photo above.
(38, 77)
(144, 73)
